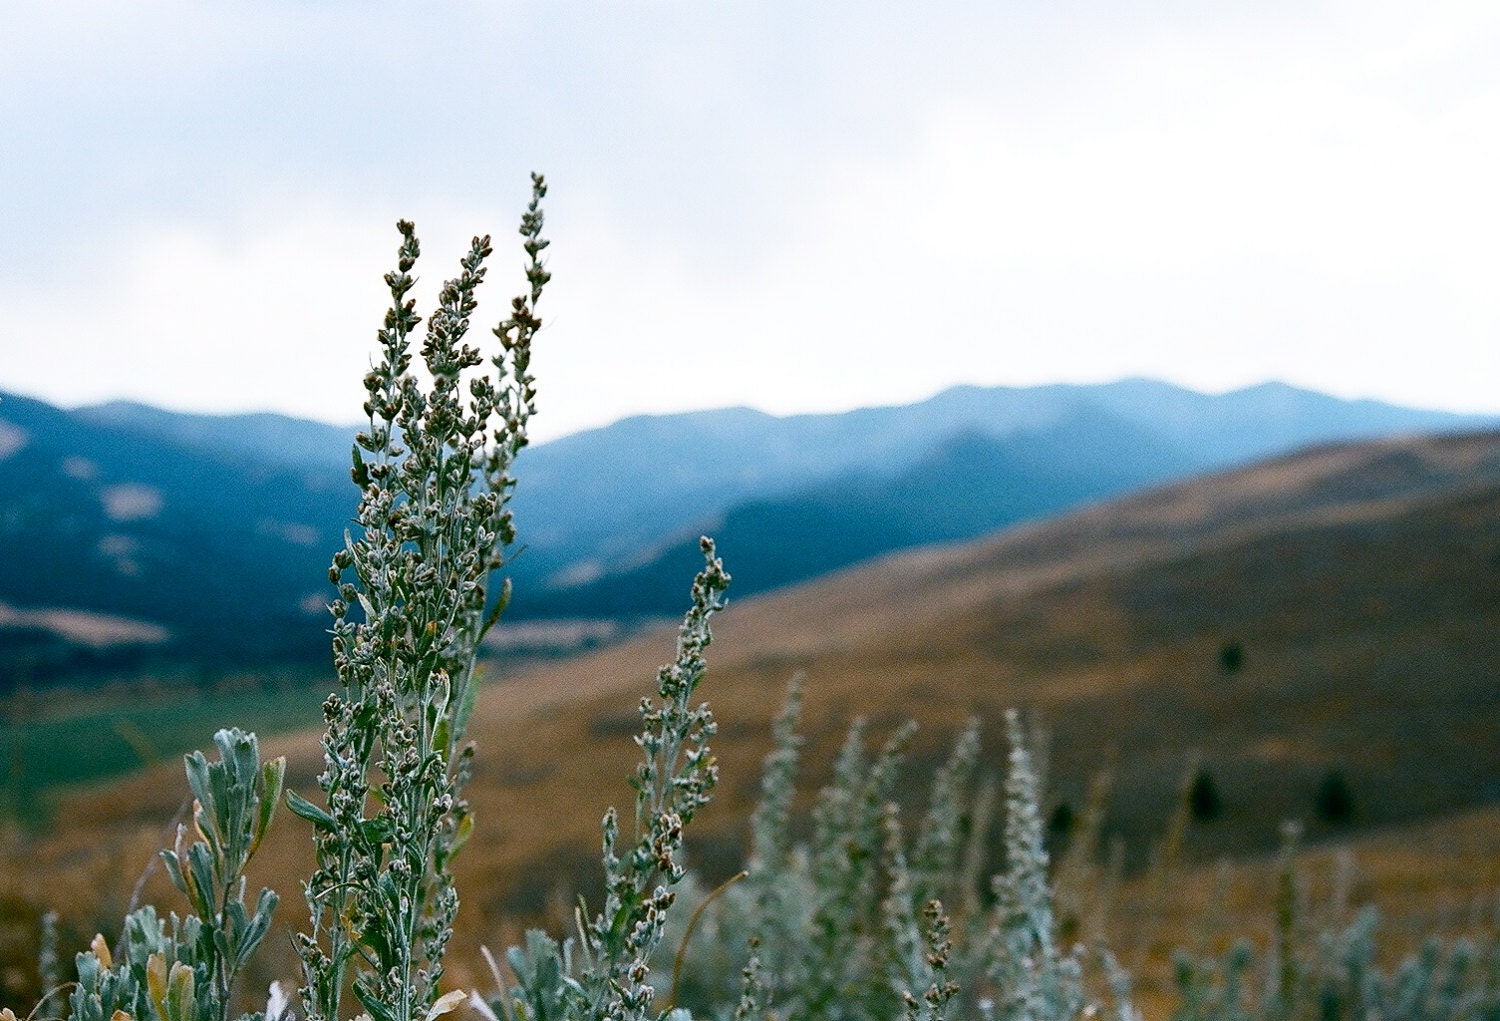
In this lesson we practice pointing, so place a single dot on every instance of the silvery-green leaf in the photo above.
(300, 806)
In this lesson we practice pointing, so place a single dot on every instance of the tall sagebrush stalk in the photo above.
(605, 975)
(434, 473)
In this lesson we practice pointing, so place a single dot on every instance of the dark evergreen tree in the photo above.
(1334, 800)
(1204, 800)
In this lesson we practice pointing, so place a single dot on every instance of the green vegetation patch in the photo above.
(63, 742)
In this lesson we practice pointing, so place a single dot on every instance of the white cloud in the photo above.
(784, 206)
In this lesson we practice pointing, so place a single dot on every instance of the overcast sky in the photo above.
(792, 206)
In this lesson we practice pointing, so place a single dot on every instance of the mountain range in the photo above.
(132, 535)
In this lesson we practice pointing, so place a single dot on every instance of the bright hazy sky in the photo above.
(792, 206)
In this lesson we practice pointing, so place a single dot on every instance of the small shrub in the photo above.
(1333, 802)
(872, 919)
(1204, 801)
(1060, 823)
(606, 972)
(1338, 972)
(184, 969)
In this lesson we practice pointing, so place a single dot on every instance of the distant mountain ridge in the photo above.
(224, 551)
(261, 436)
(217, 530)
(790, 498)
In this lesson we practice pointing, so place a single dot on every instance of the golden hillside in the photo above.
(1362, 583)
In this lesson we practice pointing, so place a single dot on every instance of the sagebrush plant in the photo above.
(852, 925)
(184, 968)
(414, 604)
(762, 948)
(1336, 974)
(605, 973)
(1333, 971)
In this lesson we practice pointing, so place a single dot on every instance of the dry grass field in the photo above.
(1361, 582)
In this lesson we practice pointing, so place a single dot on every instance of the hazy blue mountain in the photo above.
(225, 552)
(598, 501)
(218, 529)
(602, 501)
(968, 484)
(277, 439)
(1271, 418)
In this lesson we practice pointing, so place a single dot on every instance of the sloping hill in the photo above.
(1362, 583)
(218, 553)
